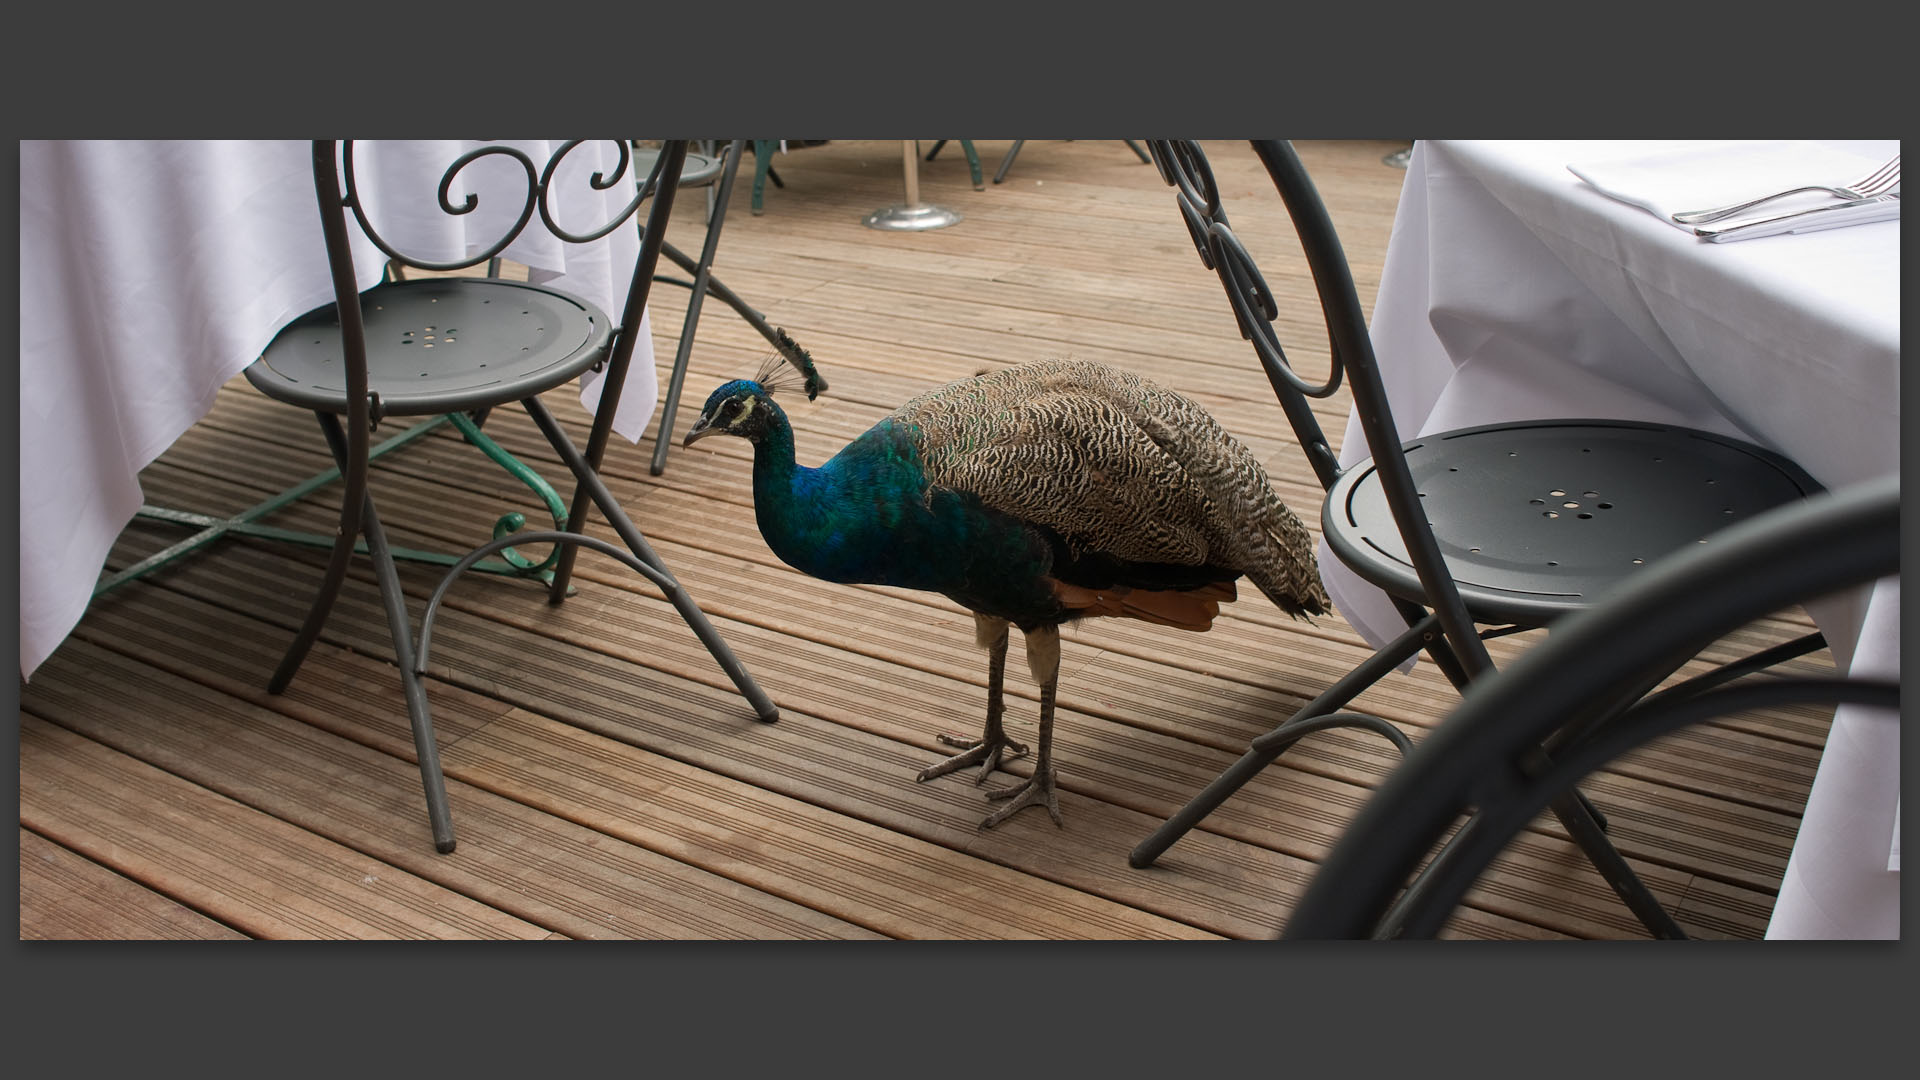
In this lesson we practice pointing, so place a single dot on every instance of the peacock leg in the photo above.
(991, 633)
(1043, 656)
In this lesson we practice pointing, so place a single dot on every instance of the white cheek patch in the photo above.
(746, 410)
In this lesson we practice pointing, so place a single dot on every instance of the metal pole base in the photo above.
(919, 216)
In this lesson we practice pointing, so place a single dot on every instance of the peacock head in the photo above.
(742, 407)
(745, 407)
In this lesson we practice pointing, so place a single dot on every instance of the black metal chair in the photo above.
(1476, 763)
(368, 356)
(1507, 526)
(701, 171)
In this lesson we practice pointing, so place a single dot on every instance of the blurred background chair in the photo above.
(1506, 526)
(456, 344)
(973, 159)
(1478, 764)
(763, 151)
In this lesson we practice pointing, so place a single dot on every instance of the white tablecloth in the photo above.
(1512, 289)
(153, 272)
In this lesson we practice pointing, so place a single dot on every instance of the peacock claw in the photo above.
(982, 752)
(1038, 789)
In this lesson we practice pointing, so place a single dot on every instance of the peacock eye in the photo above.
(730, 409)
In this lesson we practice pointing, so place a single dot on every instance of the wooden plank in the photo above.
(260, 875)
(67, 897)
(878, 790)
(541, 867)
(855, 774)
(679, 809)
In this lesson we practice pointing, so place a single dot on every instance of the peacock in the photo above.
(1032, 496)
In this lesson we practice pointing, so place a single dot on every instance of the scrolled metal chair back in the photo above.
(1184, 166)
(538, 198)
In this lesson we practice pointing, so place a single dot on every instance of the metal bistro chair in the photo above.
(1476, 763)
(356, 358)
(1493, 500)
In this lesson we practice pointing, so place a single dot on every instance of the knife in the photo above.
(1857, 212)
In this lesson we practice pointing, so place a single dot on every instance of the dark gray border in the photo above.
(991, 70)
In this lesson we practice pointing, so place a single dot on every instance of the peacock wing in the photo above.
(1112, 463)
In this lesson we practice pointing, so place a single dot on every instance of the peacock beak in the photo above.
(701, 429)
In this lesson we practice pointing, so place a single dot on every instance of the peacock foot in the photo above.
(982, 752)
(1038, 789)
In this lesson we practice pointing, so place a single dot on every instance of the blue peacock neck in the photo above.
(867, 516)
(774, 467)
(846, 520)
(787, 502)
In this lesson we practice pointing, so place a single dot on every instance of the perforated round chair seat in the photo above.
(698, 171)
(439, 345)
(1537, 519)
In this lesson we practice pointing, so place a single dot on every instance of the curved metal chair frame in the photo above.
(701, 171)
(1475, 763)
(1377, 520)
(597, 343)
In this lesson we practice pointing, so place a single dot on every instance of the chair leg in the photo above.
(973, 159)
(762, 164)
(343, 544)
(1592, 839)
(439, 818)
(716, 287)
(1007, 162)
(1413, 915)
(690, 612)
(973, 163)
(703, 271)
(426, 748)
(1135, 147)
(1267, 748)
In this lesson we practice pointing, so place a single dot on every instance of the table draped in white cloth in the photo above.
(1513, 289)
(153, 272)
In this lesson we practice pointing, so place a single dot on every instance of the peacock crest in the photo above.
(789, 369)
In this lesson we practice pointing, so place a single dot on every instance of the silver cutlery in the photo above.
(1877, 182)
(1856, 212)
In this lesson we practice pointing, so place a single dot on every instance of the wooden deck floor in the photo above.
(606, 781)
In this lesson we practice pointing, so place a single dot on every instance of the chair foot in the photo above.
(594, 489)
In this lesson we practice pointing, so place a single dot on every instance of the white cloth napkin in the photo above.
(1698, 175)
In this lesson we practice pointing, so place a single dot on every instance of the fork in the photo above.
(1880, 180)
